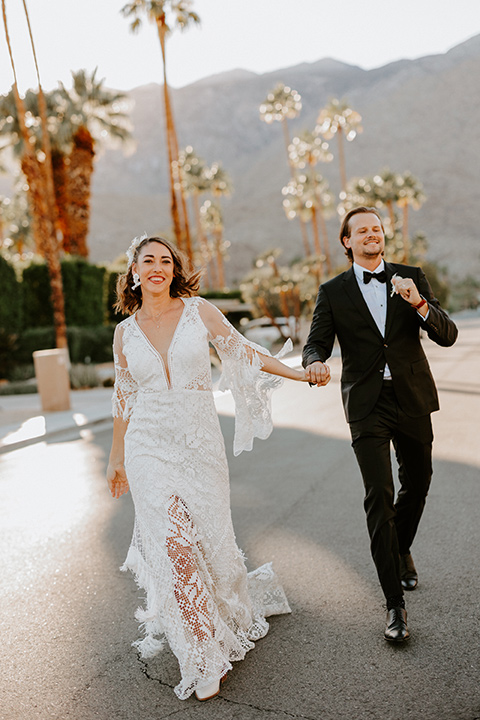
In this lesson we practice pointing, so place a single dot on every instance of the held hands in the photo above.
(117, 480)
(317, 374)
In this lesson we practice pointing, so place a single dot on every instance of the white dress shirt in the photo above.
(375, 296)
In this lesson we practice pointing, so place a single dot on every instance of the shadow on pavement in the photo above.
(297, 500)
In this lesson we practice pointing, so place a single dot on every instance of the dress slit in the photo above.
(190, 591)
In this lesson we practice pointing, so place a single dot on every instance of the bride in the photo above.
(168, 450)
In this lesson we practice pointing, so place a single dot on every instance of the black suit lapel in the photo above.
(355, 294)
(392, 301)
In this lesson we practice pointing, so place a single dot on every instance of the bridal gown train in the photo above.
(199, 596)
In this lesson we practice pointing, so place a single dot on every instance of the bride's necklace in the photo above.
(155, 318)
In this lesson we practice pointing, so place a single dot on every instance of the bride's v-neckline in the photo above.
(165, 361)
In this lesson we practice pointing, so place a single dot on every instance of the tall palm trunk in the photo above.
(41, 195)
(406, 239)
(341, 159)
(183, 197)
(326, 245)
(201, 239)
(303, 225)
(305, 240)
(79, 182)
(316, 237)
(180, 224)
(391, 214)
(217, 234)
(168, 127)
(321, 218)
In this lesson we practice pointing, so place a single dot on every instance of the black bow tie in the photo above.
(381, 276)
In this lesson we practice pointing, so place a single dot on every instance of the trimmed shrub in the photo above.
(37, 305)
(83, 292)
(40, 338)
(10, 299)
(93, 344)
(8, 349)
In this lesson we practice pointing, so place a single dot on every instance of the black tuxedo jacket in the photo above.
(341, 311)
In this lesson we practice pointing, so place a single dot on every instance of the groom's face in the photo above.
(366, 239)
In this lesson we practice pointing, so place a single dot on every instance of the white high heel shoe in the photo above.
(208, 691)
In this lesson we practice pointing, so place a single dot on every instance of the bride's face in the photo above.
(155, 268)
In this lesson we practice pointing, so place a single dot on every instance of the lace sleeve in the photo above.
(242, 374)
(125, 389)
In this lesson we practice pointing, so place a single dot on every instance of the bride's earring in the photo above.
(136, 281)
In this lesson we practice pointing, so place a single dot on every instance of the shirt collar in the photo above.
(359, 270)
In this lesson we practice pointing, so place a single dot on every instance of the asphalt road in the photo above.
(67, 611)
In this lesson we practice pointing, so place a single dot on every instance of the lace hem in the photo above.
(210, 659)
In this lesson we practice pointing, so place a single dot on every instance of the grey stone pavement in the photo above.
(67, 611)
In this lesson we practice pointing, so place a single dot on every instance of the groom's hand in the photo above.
(317, 373)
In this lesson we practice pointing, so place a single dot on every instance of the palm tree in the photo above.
(390, 190)
(212, 222)
(309, 197)
(410, 194)
(181, 15)
(338, 118)
(40, 183)
(381, 190)
(220, 182)
(78, 119)
(16, 222)
(220, 185)
(283, 104)
(86, 113)
(305, 151)
(193, 174)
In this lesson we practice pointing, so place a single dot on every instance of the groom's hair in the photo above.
(345, 228)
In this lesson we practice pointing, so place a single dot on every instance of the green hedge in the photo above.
(83, 291)
(85, 344)
(10, 299)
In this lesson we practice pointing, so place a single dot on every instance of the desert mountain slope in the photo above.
(417, 115)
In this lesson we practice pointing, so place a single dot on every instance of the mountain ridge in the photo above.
(416, 114)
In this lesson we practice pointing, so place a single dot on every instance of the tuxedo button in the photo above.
(385, 345)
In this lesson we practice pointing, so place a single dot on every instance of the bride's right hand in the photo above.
(117, 480)
(317, 373)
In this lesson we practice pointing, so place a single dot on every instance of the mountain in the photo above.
(418, 115)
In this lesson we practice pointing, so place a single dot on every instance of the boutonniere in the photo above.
(393, 280)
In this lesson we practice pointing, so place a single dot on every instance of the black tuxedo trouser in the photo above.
(392, 524)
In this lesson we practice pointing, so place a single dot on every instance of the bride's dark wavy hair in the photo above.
(185, 281)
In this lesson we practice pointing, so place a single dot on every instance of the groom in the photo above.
(387, 389)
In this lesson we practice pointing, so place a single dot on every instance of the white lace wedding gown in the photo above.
(183, 552)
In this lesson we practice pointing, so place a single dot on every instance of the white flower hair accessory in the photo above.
(133, 246)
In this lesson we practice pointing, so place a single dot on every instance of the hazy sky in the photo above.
(257, 35)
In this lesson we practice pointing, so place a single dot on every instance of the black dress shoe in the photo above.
(396, 629)
(408, 572)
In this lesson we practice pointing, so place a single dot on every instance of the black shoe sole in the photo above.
(398, 641)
